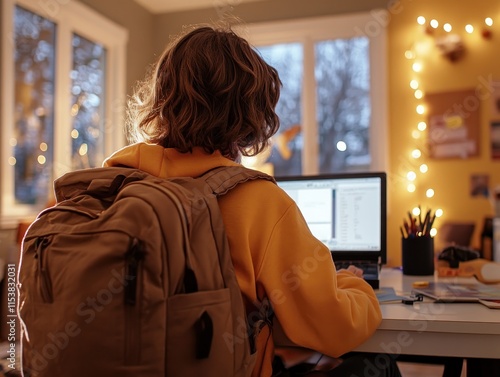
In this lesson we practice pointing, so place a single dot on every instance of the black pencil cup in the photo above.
(418, 255)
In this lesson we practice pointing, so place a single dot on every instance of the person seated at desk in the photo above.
(210, 99)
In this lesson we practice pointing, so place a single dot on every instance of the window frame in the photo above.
(311, 30)
(70, 17)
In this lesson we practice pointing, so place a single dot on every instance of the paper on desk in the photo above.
(387, 295)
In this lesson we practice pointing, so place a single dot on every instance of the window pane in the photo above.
(32, 140)
(343, 104)
(87, 110)
(286, 155)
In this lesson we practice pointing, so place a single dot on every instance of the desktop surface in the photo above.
(433, 329)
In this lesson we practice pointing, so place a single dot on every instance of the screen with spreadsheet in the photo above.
(347, 212)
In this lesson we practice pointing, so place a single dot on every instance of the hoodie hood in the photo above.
(166, 162)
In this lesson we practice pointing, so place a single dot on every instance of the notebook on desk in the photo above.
(348, 213)
(458, 292)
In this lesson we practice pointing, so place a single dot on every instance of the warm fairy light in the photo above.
(447, 27)
(13, 142)
(41, 159)
(415, 211)
(434, 23)
(40, 112)
(417, 67)
(422, 126)
(74, 134)
(409, 54)
(12, 161)
(75, 109)
(424, 168)
(421, 20)
(439, 212)
(414, 84)
(411, 187)
(411, 175)
(416, 153)
(488, 21)
(433, 232)
(469, 28)
(415, 134)
(44, 147)
(420, 109)
(419, 94)
(429, 193)
(83, 149)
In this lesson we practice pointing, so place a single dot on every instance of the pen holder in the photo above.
(418, 255)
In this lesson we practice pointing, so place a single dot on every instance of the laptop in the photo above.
(348, 213)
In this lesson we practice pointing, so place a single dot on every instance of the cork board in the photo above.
(453, 123)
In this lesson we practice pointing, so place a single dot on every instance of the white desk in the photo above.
(433, 329)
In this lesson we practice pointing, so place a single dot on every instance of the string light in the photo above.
(416, 153)
(417, 67)
(342, 146)
(488, 21)
(409, 54)
(83, 150)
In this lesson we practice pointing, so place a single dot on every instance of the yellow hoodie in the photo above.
(276, 256)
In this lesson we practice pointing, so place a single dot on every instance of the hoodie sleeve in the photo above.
(316, 307)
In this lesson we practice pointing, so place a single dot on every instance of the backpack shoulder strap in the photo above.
(221, 180)
(224, 178)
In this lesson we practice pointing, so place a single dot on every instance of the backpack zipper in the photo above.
(133, 304)
(44, 282)
(133, 258)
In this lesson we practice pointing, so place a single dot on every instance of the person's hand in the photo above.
(355, 270)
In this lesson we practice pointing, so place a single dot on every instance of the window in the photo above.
(63, 96)
(333, 101)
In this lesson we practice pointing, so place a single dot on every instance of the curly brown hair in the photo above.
(209, 89)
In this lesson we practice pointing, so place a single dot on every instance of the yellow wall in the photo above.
(450, 178)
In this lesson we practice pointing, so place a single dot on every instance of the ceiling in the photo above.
(167, 6)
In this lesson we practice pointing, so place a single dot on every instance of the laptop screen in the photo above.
(347, 212)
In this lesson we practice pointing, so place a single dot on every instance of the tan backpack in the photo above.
(131, 275)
